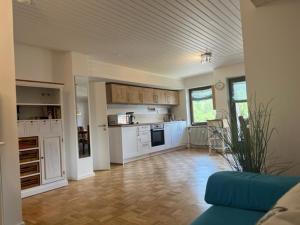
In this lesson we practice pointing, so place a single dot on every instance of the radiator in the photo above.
(198, 136)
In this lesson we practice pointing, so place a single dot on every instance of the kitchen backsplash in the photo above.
(142, 113)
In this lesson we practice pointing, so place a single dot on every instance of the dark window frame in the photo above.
(231, 81)
(191, 102)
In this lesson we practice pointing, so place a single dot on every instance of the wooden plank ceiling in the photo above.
(160, 36)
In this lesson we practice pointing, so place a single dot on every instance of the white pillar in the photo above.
(10, 185)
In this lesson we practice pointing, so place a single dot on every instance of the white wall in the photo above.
(141, 112)
(84, 65)
(271, 43)
(33, 63)
(10, 172)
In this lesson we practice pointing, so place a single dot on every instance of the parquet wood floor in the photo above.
(167, 189)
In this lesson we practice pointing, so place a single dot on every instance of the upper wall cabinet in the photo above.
(147, 96)
(159, 96)
(116, 93)
(172, 97)
(134, 95)
(127, 94)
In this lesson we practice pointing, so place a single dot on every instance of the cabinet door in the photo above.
(183, 133)
(168, 135)
(118, 93)
(172, 97)
(129, 142)
(159, 96)
(51, 156)
(175, 134)
(21, 128)
(148, 97)
(32, 128)
(134, 95)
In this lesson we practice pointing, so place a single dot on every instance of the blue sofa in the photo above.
(242, 198)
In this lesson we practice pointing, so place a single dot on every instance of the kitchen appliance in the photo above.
(157, 134)
(130, 117)
(118, 119)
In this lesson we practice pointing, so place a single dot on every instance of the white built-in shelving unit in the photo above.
(40, 132)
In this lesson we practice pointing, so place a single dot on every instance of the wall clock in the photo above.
(219, 85)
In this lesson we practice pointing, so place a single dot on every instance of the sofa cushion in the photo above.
(286, 211)
(247, 190)
(219, 215)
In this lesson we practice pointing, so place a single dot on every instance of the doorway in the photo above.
(238, 99)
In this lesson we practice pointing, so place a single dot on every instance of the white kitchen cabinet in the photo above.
(177, 133)
(129, 142)
(168, 135)
(51, 156)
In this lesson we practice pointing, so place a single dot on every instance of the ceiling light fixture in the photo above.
(206, 57)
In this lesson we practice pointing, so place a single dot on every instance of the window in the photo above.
(238, 98)
(202, 105)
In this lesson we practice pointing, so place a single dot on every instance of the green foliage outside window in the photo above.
(203, 110)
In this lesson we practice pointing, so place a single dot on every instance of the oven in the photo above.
(157, 134)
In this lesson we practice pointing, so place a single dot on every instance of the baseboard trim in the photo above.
(43, 188)
(84, 176)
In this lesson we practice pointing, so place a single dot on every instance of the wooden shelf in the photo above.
(34, 174)
(27, 149)
(29, 162)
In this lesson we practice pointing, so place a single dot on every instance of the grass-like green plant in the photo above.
(248, 143)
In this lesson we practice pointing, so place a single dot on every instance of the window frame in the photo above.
(231, 81)
(191, 102)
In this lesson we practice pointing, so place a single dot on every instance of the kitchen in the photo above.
(140, 120)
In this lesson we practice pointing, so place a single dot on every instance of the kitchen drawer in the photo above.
(28, 142)
(56, 127)
(144, 147)
(144, 137)
(29, 155)
(21, 128)
(143, 128)
(44, 127)
(29, 168)
(32, 128)
(29, 182)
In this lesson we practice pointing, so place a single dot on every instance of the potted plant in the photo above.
(248, 142)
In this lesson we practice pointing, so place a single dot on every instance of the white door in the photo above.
(51, 159)
(98, 127)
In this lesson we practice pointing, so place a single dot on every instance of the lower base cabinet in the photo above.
(51, 159)
(42, 165)
(131, 142)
